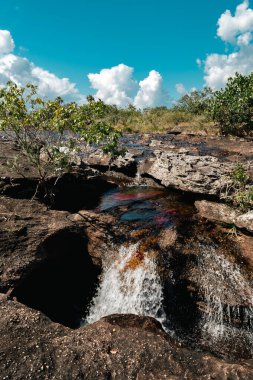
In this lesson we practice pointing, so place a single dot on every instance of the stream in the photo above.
(139, 276)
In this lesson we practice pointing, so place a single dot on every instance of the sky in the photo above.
(144, 52)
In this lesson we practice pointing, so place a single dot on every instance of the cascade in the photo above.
(130, 284)
(228, 297)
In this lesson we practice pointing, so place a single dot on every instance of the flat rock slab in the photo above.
(197, 174)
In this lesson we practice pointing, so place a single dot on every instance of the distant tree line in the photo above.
(230, 109)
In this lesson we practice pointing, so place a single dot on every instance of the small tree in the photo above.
(48, 132)
(196, 102)
(232, 107)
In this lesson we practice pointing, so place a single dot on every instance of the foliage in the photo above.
(240, 175)
(158, 119)
(232, 107)
(46, 131)
(195, 102)
(189, 112)
(244, 199)
(243, 192)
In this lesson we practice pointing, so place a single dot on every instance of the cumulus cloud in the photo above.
(21, 71)
(244, 39)
(6, 42)
(116, 85)
(180, 88)
(151, 92)
(220, 67)
(236, 29)
(230, 27)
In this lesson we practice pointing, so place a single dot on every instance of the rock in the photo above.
(116, 347)
(198, 174)
(245, 244)
(197, 269)
(156, 143)
(46, 257)
(126, 164)
(167, 238)
(219, 212)
(245, 221)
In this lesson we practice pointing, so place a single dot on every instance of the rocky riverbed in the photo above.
(51, 263)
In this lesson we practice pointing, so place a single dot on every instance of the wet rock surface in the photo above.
(208, 282)
(50, 260)
(118, 346)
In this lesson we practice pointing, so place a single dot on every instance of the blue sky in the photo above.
(74, 38)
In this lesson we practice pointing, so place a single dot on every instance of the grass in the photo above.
(162, 121)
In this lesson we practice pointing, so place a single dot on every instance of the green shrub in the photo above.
(196, 102)
(232, 107)
(47, 132)
(240, 175)
(244, 199)
(242, 196)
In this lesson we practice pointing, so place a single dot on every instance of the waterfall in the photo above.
(227, 294)
(129, 284)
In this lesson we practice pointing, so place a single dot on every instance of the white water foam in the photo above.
(222, 283)
(129, 290)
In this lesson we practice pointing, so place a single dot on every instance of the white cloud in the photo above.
(116, 85)
(6, 42)
(220, 67)
(50, 85)
(244, 39)
(236, 30)
(21, 71)
(151, 92)
(180, 88)
(229, 26)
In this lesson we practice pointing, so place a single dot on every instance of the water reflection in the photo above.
(145, 207)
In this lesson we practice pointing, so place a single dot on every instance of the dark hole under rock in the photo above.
(72, 192)
(63, 284)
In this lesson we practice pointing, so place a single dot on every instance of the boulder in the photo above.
(245, 221)
(124, 164)
(50, 260)
(219, 212)
(197, 174)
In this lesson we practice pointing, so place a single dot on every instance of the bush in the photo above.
(243, 192)
(196, 102)
(232, 107)
(48, 132)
